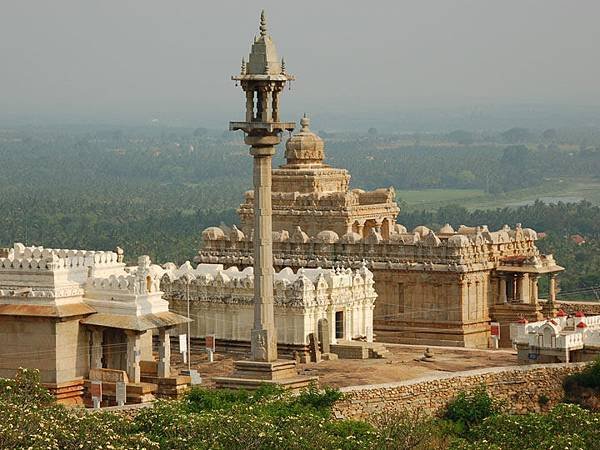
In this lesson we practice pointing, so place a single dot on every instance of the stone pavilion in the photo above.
(79, 316)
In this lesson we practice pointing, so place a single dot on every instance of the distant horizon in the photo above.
(404, 119)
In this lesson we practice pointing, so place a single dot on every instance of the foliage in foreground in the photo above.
(30, 419)
(587, 378)
(471, 408)
(272, 419)
(566, 427)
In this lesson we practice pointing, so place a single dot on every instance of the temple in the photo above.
(80, 316)
(309, 194)
(318, 305)
(434, 287)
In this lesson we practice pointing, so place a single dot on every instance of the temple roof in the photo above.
(263, 59)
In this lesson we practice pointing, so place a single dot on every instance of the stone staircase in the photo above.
(359, 350)
(377, 350)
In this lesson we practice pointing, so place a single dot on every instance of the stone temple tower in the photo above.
(263, 78)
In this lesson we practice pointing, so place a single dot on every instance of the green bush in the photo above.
(25, 388)
(31, 419)
(587, 378)
(471, 408)
(273, 419)
(565, 427)
(404, 430)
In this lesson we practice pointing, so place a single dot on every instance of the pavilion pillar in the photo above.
(348, 324)
(378, 225)
(360, 226)
(369, 320)
(249, 106)
(96, 351)
(387, 227)
(524, 288)
(514, 287)
(552, 288)
(134, 356)
(164, 353)
(332, 325)
(502, 285)
(534, 288)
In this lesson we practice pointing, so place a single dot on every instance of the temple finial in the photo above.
(263, 24)
(305, 122)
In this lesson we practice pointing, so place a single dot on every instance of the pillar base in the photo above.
(251, 375)
(68, 393)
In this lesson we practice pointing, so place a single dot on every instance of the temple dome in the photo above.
(351, 238)
(327, 237)
(422, 230)
(446, 229)
(304, 147)
(213, 234)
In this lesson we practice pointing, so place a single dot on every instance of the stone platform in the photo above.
(68, 393)
(251, 375)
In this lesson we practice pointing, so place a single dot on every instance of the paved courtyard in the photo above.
(403, 363)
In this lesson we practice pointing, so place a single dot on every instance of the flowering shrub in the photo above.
(273, 419)
(30, 419)
(566, 427)
(471, 408)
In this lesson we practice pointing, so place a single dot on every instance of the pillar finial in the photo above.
(263, 23)
(283, 66)
(305, 122)
(243, 69)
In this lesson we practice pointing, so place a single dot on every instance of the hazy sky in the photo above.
(132, 60)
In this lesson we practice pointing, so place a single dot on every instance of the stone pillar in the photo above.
(331, 320)
(502, 283)
(259, 105)
(348, 324)
(534, 288)
(164, 353)
(249, 106)
(266, 106)
(513, 279)
(264, 338)
(552, 288)
(324, 334)
(387, 228)
(524, 288)
(360, 226)
(275, 106)
(369, 321)
(134, 356)
(96, 351)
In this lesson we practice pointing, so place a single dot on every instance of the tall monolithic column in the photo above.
(264, 335)
(263, 78)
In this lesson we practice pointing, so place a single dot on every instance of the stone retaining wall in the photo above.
(572, 306)
(521, 387)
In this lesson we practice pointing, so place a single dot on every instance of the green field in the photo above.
(551, 191)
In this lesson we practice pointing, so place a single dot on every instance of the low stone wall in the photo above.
(521, 387)
(572, 306)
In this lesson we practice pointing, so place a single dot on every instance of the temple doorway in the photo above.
(339, 324)
(114, 349)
